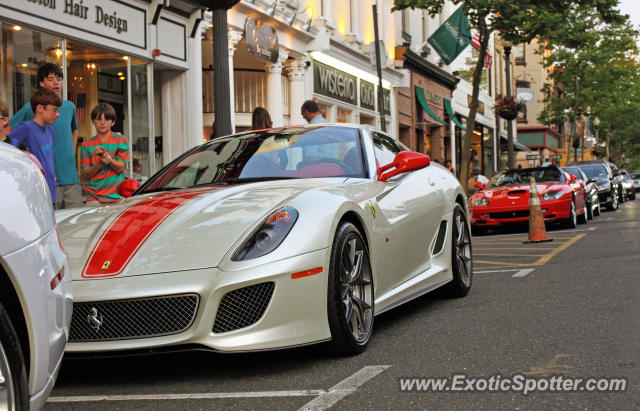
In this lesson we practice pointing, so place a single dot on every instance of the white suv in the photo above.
(35, 285)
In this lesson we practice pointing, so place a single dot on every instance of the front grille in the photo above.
(509, 214)
(242, 307)
(131, 319)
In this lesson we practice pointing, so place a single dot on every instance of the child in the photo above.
(69, 192)
(103, 158)
(37, 134)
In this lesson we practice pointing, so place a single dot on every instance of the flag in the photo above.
(475, 42)
(81, 106)
(452, 37)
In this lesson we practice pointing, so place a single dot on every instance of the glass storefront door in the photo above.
(142, 142)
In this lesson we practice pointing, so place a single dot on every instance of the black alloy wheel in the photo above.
(350, 297)
(461, 256)
(572, 221)
(14, 394)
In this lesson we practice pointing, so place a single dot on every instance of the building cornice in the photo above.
(416, 63)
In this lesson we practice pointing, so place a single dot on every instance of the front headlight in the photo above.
(268, 236)
(552, 195)
(480, 202)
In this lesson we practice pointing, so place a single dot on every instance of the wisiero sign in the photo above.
(111, 19)
(334, 83)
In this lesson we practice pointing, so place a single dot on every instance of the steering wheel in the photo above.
(319, 160)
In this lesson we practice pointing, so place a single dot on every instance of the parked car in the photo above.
(35, 285)
(266, 240)
(636, 181)
(628, 184)
(608, 186)
(618, 178)
(590, 190)
(505, 200)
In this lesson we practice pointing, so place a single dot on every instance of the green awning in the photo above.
(449, 110)
(425, 106)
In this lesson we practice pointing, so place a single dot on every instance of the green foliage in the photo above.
(516, 21)
(594, 63)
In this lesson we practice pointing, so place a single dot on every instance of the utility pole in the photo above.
(510, 153)
(383, 124)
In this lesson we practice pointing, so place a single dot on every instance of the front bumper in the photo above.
(496, 216)
(296, 313)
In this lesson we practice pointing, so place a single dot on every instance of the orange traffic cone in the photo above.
(537, 232)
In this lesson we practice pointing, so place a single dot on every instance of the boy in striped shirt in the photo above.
(103, 158)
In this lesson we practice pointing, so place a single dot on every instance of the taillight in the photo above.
(57, 279)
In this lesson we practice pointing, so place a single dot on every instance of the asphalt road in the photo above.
(574, 314)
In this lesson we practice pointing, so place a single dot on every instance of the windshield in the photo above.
(521, 176)
(595, 170)
(280, 154)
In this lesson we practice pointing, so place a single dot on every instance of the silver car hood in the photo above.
(170, 231)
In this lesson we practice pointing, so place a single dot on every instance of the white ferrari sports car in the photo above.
(265, 240)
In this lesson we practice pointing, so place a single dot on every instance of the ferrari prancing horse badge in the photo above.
(106, 265)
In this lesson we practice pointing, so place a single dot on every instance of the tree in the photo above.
(516, 21)
(594, 64)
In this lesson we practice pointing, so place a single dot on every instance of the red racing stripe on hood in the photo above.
(127, 232)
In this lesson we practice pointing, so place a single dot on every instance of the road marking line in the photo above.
(189, 396)
(500, 263)
(564, 246)
(343, 388)
(511, 255)
(494, 271)
(514, 248)
(523, 272)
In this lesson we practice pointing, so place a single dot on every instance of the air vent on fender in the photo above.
(512, 192)
(442, 233)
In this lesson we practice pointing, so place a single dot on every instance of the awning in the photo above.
(449, 110)
(425, 106)
(517, 146)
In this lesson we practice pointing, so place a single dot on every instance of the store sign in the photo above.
(106, 18)
(367, 95)
(334, 83)
(434, 98)
(480, 105)
(262, 40)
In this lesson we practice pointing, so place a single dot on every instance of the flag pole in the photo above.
(383, 124)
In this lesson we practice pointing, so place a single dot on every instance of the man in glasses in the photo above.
(69, 192)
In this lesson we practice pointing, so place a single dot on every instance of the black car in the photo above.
(590, 190)
(628, 184)
(636, 180)
(621, 190)
(599, 172)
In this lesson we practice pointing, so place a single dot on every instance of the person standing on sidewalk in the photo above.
(103, 158)
(69, 192)
(311, 112)
(37, 135)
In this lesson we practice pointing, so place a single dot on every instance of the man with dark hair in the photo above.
(311, 112)
(37, 135)
(69, 192)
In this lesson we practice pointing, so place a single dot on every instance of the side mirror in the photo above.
(404, 162)
(128, 187)
(572, 178)
(479, 185)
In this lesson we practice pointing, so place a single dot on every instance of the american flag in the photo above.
(81, 104)
(475, 42)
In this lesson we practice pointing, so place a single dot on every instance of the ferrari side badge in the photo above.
(373, 209)
(105, 265)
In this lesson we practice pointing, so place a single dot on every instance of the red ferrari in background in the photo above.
(505, 200)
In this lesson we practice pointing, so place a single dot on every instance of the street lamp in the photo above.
(596, 124)
(507, 54)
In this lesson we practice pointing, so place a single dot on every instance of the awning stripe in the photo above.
(425, 106)
(449, 110)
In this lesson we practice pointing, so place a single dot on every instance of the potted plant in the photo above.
(508, 107)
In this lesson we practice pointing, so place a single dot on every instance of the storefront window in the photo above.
(140, 139)
(487, 153)
(344, 116)
(23, 51)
